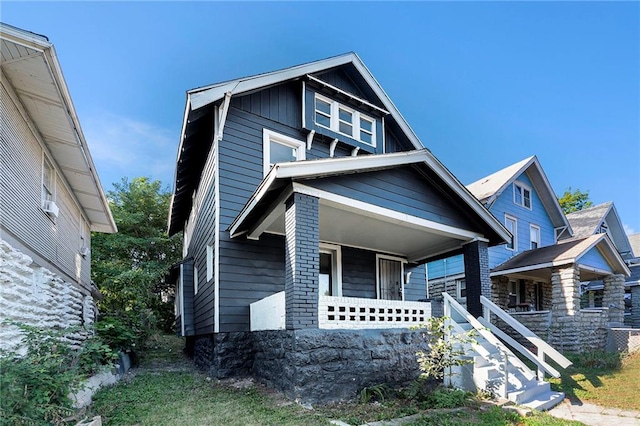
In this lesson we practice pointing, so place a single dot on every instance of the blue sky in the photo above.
(483, 84)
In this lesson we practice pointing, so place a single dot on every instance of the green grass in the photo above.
(603, 380)
(160, 394)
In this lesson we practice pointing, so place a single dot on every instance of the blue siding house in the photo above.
(309, 209)
(539, 273)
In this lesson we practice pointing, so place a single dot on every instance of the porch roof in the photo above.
(538, 262)
(357, 223)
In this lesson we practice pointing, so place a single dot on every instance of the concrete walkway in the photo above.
(593, 415)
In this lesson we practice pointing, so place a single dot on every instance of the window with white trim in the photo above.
(195, 280)
(347, 121)
(330, 270)
(534, 232)
(461, 289)
(522, 195)
(48, 182)
(279, 148)
(511, 223)
(209, 263)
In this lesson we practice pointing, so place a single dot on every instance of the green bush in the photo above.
(124, 331)
(36, 385)
(599, 360)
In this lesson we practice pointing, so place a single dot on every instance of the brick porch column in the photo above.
(476, 271)
(565, 288)
(613, 297)
(301, 262)
(635, 307)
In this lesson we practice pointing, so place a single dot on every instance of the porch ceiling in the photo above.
(350, 227)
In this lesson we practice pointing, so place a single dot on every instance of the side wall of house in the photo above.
(52, 243)
(537, 216)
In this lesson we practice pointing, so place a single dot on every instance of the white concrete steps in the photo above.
(523, 387)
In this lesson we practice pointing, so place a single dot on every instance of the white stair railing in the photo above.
(451, 303)
(543, 348)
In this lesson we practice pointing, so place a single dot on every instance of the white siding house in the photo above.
(50, 195)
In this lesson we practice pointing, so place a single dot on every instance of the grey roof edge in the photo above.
(347, 164)
(550, 202)
(43, 44)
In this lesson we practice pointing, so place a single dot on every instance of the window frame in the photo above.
(535, 228)
(209, 263)
(335, 120)
(269, 136)
(524, 188)
(514, 233)
(459, 283)
(336, 267)
(47, 165)
(195, 280)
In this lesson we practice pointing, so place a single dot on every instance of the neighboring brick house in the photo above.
(537, 275)
(309, 209)
(50, 195)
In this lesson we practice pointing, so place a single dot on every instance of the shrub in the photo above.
(36, 386)
(599, 360)
(125, 331)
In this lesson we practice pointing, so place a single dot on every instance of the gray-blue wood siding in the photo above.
(401, 189)
(187, 297)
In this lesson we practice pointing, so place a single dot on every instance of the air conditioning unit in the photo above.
(84, 251)
(51, 208)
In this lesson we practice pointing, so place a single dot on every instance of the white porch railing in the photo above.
(358, 313)
(543, 348)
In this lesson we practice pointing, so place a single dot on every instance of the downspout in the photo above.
(221, 118)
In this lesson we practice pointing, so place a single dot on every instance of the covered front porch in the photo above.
(542, 289)
(355, 245)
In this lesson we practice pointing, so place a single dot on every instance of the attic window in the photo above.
(522, 195)
(346, 121)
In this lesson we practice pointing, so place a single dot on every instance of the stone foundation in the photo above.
(313, 365)
(37, 297)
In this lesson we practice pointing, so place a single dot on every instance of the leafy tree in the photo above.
(129, 267)
(573, 201)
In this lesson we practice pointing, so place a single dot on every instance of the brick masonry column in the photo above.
(301, 262)
(476, 271)
(565, 330)
(613, 297)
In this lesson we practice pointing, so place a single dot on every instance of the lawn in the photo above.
(603, 380)
(165, 390)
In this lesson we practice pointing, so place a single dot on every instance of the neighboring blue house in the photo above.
(521, 197)
(537, 275)
(309, 205)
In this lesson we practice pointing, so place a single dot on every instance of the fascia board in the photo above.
(63, 90)
(207, 95)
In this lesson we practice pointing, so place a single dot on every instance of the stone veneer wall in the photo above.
(35, 296)
(314, 365)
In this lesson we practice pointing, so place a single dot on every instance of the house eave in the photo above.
(69, 152)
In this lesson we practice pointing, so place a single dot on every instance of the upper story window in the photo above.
(278, 148)
(346, 121)
(48, 181)
(535, 236)
(512, 226)
(522, 195)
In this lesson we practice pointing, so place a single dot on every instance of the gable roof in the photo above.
(203, 96)
(489, 188)
(564, 253)
(35, 82)
(634, 240)
(587, 222)
(268, 195)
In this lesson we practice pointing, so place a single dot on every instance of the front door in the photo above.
(389, 279)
